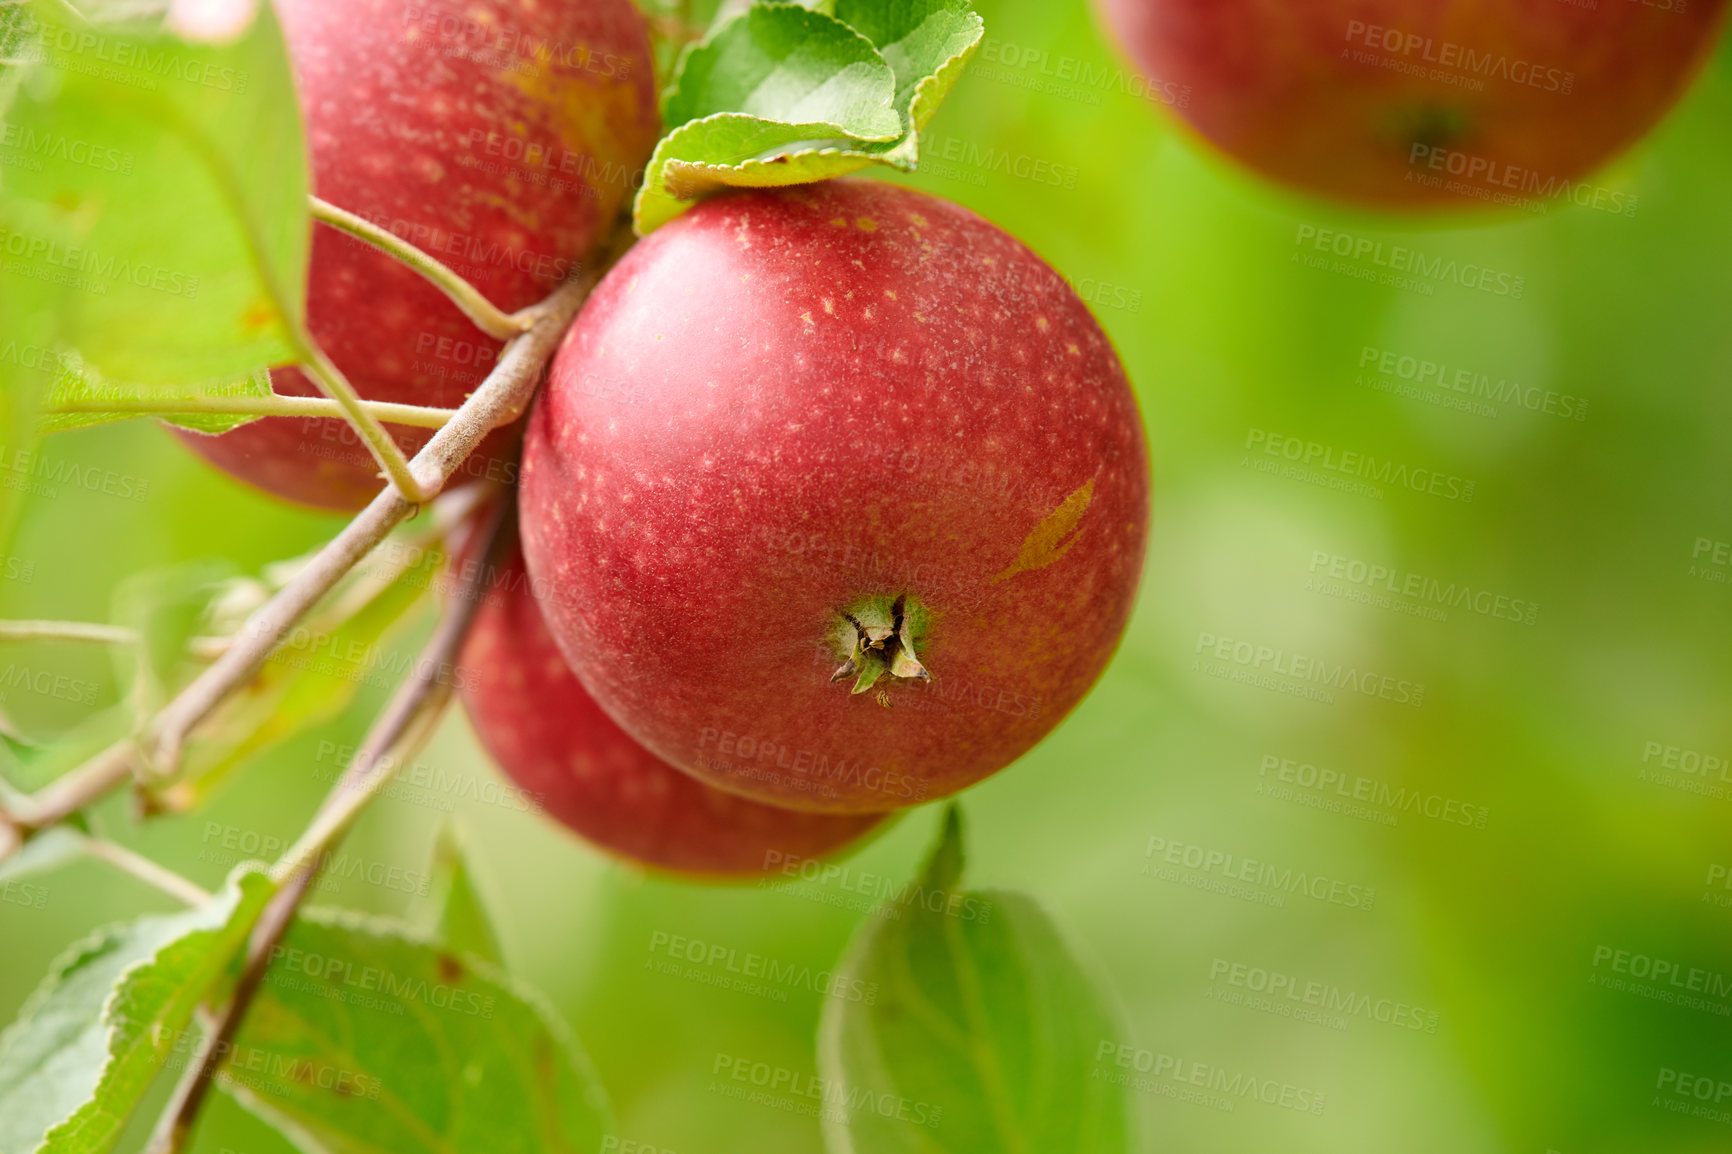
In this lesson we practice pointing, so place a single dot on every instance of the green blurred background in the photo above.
(1571, 735)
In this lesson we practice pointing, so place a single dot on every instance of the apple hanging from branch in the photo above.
(844, 494)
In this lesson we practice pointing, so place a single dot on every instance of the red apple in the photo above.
(843, 492)
(553, 740)
(1422, 103)
(502, 136)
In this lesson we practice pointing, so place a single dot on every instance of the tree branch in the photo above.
(500, 398)
(147, 871)
(413, 416)
(423, 694)
(488, 317)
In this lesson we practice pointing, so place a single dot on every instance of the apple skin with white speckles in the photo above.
(554, 741)
(1422, 104)
(502, 136)
(787, 401)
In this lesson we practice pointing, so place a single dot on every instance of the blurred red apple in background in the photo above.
(502, 137)
(842, 492)
(1423, 103)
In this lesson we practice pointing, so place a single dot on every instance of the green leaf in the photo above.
(789, 83)
(166, 607)
(77, 385)
(48, 851)
(983, 1035)
(729, 150)
(463, 924)
(167, 189)
(927, 44)
(786, 63)
(364, 1039)
(28, 335)
(92, 1038)
(314, 676)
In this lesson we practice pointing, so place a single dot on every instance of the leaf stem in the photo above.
(277, 405)
(406, 721)
(147, 871)
(67, 631)
(386, 451)
(488, 317)
(504, 393)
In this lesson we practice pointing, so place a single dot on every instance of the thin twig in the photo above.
(373, 767)
(499, 399)
(488, 317)
(385, 450)
(147, 871)
(501, 396)
(71, 792)
(67, 631)
(412, 416)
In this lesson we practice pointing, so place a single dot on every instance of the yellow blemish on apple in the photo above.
(1050, 540)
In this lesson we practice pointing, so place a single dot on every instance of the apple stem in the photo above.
(488, 317)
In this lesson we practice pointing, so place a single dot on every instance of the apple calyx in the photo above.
(875, 637)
